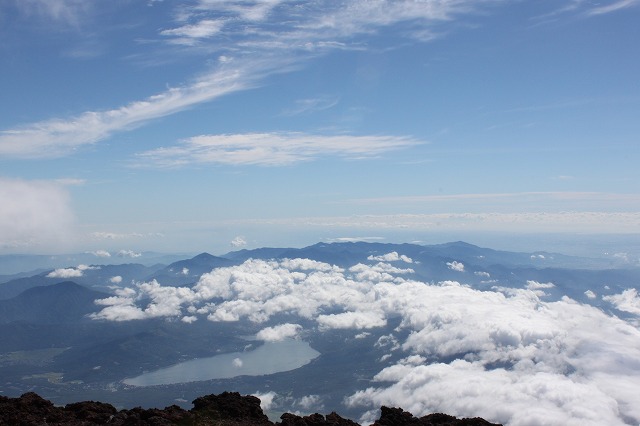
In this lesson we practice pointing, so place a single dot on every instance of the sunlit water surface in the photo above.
(269, 358)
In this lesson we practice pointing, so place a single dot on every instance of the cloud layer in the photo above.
(506, 355)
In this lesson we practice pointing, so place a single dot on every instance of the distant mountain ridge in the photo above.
(53, 304)
(188, 271)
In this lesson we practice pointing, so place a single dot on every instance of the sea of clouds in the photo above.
(506, 354)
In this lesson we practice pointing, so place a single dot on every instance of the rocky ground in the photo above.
(225, 409)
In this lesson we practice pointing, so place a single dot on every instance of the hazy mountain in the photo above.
(98, 277)
(188, 271)
(18, 263)
(440, 316)
(53, 304)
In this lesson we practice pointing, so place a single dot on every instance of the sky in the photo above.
(212, 125)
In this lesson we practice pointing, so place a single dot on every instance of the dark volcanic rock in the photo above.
(230, 408)
(399, 417)
(332, 419)
(226, 409)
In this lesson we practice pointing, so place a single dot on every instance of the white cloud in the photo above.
(271, 149)
(128, 253)
(238, 242)
(34, 214)
(188, 34)
(310, 402)
(627, 301)
(590, 294)
(267, 400)
(391, 257)
(482, 274)
(262, 43)
(114, 235)
(65, 273)
(538, 288)
(237, 363)
(189, 319)
(70, 272)
(456, 266)
(352, 320)
(279, 332)
(101, 253)
(353, 239)
(59, 137)
(508, 356)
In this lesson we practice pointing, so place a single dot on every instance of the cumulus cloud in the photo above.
(352, 320)
(267, 400)
(279, 332)
(310, 402)
(237, 363)
(539, 288)
(505, 354)
(70, 272)
(627, 301)
(456, 266)
(116, 280)
(101, 253)
(34, 214)
(65, 273)
(128, 253)
(238, 242)
(590, 294)
(391, 257)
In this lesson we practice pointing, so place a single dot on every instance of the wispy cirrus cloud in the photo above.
(281, 36)
(589, 8)
(58, 137)
(192, 33)
(270, 149)
(67, 12)
(256, 38)
(308, 105)
(611, 7)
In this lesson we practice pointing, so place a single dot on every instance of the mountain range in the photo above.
(79, 331)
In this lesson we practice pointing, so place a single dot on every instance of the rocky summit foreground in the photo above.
(226, 409)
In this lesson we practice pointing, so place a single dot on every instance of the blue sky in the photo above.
(213, 125)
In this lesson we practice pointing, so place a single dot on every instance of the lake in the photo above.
(269, 358)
